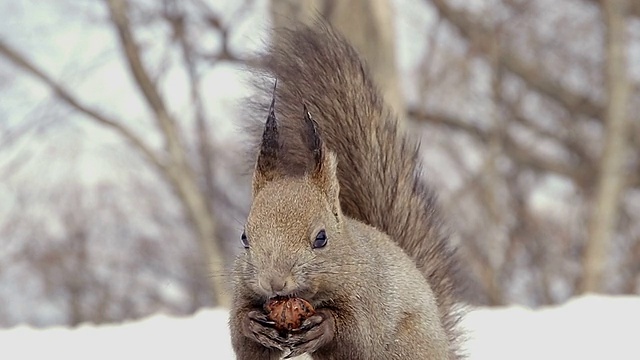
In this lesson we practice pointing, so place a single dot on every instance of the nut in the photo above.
(288, 313)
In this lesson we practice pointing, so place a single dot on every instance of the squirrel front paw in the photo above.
(315, 332)
(258, 327)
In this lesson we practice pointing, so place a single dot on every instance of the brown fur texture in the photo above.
(382, 199)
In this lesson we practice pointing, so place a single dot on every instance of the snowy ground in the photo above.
(591, 327)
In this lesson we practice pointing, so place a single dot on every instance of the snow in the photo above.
(588, 327)
(202, 336)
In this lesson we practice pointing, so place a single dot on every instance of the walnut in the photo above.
(288, 313)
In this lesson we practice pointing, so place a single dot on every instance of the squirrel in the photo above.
(340, 217)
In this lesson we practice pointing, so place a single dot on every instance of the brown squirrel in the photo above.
(341, 218)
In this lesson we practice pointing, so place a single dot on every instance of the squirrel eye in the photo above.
(244, 240)
(321, 240)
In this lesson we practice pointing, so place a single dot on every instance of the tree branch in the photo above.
(224, 28)
(482, 38)
(179, 172)
(177, 19)
(19, 60)
(513, 149)
(632, 6)
(118, 10)
(571, 145)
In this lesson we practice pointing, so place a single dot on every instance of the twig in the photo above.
(19, 60)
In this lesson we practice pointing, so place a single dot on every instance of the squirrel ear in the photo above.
(324, 169)
(266, 165)
(325, 177)
(314, 141)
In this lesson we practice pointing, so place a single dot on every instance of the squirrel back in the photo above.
(378, 166)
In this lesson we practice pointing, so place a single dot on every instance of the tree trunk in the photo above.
(369, 27)
(177, 168)
(198, 213)
(611, 177)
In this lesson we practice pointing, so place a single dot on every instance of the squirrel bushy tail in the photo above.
(378, 164)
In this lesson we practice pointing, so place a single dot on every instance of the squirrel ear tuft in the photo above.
(324, 162)
(266, 165)
(313, 140)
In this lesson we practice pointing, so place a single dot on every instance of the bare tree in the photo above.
(172, 163)
(536, 118)
(611, 180)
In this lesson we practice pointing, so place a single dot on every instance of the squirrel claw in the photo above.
(261, 318)
(315, 332)
(310, 322)
(259, 328)
(292, 354)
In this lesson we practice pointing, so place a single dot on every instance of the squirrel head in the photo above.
(295, 225)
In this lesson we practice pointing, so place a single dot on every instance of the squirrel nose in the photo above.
(277, 283)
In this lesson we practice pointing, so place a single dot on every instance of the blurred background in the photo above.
(120, 190)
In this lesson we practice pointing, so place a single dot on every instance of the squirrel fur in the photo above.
(334, 167)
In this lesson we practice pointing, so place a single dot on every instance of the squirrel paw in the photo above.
(315, 332)
(260, 328)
